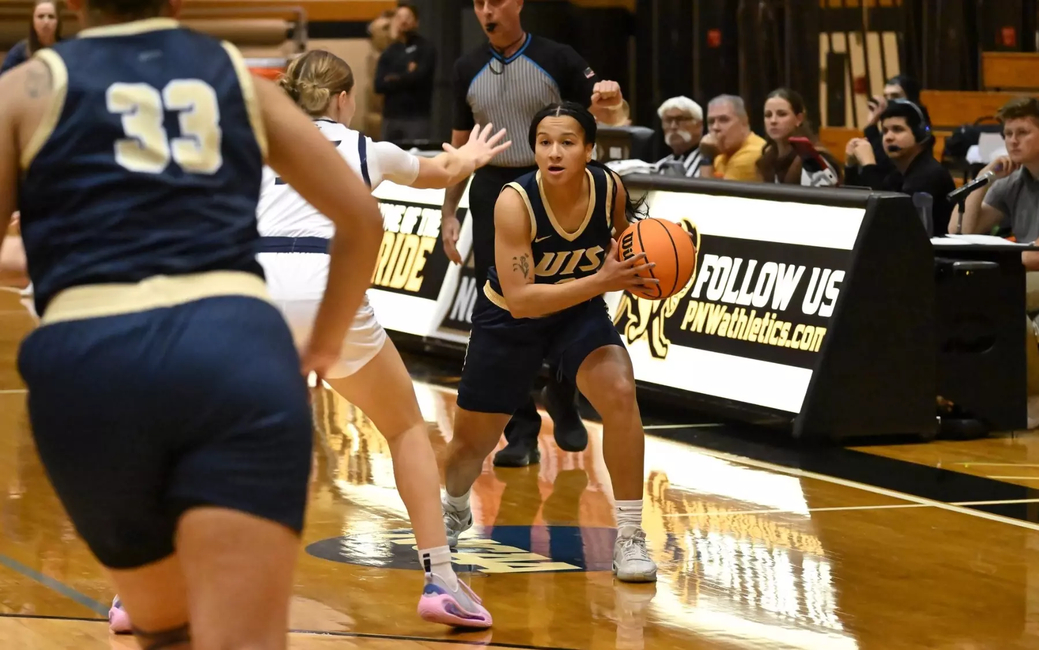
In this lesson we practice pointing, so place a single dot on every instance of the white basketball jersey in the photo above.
(282, 212)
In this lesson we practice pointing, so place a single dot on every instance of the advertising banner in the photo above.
(750, 324)
(748, 327)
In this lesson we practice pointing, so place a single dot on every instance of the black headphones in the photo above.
(922, 131)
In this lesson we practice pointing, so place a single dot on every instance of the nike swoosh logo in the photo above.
(541, 239)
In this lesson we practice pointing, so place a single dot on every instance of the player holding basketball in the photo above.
(165, 392)
(555, 256)
(369, 372)
(506, 82)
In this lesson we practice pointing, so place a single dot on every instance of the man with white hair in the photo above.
(730, 147)
(683, 127)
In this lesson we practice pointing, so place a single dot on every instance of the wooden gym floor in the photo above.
(761, 544)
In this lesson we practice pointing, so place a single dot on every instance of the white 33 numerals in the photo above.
(147, 149)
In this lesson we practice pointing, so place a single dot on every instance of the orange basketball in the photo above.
(665, 244)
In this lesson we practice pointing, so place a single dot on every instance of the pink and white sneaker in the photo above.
(458, 608)
(118, 619)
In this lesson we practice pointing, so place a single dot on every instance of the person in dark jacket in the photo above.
(405, 77)
(44, 31)
(907, 142)
(898, 87)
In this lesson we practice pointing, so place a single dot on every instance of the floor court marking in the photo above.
(750, 462)
(41, 617)
(658, 427)
(1014, 478)
(14, 391)
(887, 506)
(867, 488)
(55, 585)
(722, 513)
(973, 464)
(425, 639)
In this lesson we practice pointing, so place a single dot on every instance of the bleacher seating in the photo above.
(1017, 71)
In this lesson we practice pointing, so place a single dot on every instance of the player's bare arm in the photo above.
(450, 227)
(515, 262)
(312, 166)
(458, 163)
(25, 94)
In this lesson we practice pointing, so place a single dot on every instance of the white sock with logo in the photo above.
(628, 514)
(458, 504)
(438, 562)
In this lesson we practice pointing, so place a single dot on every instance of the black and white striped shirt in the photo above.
(509, 92)
(691, 162)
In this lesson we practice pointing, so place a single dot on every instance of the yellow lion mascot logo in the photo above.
(643, 318)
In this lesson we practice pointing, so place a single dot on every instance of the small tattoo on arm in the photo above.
(522, 265)
(37, 82)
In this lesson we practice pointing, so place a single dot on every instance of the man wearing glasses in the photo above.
(683, 127)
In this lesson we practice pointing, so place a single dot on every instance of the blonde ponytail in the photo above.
(314, 79)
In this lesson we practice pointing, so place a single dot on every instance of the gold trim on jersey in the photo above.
(99, 300)
(530, 209)
(609, 206)
(49, 121)
(494, 296)
(569, 236)
(252, 103)
(129, 29)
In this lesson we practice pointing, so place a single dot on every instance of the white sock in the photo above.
(458, 504)
(628, 513)
(438, 562)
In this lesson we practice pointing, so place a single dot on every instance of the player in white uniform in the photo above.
(369, 373)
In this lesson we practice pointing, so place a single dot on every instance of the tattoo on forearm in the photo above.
(36, 83)
(521, 264)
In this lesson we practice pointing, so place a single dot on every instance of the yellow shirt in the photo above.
(742, 165)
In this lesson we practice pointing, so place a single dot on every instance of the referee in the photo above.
(506, 84)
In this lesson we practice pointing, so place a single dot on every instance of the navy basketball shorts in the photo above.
(506, 354)
(140, 417)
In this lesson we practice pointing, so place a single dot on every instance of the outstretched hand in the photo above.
(483, 145)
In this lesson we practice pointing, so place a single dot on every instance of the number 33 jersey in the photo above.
(148, 161)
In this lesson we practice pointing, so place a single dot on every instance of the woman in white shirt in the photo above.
(370, 372)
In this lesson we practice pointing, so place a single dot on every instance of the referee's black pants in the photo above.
(488, 182)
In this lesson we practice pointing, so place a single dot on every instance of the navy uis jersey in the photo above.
(562, 256)
(148, 162)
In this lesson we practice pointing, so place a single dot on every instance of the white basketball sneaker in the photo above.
(456, 522)
(631, 561)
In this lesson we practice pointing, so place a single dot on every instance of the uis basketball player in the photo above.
(369, 371)
(506, 82)
(555, 256)
(166, 396)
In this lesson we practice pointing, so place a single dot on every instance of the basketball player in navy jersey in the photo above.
(506, 82)
(167, 400)
(555, 256)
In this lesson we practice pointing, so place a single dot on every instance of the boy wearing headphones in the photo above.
(906, 137)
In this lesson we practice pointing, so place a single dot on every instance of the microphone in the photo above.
(982, 180)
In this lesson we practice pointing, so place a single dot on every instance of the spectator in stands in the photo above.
(906, 138)
(785, 118)
(1012, 197)
(379, 31)
(898, 87)
(405, 77)
(44, 31)
(682, 119)
(730, 147)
